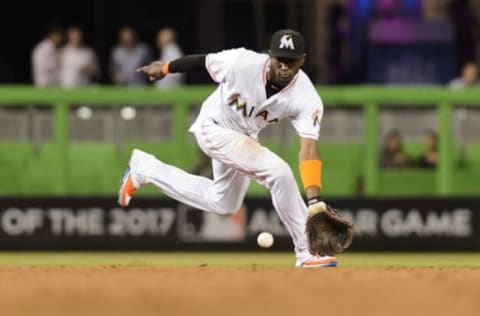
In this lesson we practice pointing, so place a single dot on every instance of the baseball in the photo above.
(265, 240)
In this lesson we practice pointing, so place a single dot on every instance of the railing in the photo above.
(369, 98)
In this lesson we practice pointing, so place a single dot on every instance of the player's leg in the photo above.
(230, 187)
(245, 154)
(222, 195)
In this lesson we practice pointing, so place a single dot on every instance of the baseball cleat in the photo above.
(318, 262)
(127, 189)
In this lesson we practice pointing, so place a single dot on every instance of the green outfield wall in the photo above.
(62, 167)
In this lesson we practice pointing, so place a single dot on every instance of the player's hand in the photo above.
(153, 70)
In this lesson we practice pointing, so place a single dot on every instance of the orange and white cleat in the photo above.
(127, 189)
(317, 262)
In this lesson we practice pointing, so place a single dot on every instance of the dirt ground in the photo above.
(128, 290)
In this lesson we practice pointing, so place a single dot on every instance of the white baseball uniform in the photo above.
(227, 129)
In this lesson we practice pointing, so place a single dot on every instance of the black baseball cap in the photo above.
(288, 44)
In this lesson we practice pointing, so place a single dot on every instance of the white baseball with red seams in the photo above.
(226, 130)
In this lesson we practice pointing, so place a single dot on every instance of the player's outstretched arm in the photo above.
(328, 231)
(157, 70)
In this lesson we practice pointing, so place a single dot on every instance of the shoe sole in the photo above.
(332, 264)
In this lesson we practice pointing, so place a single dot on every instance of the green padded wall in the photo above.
(62, 167)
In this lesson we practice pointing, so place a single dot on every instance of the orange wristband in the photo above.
(165, 68)
(311, 173)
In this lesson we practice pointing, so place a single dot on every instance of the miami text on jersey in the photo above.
(241, 105)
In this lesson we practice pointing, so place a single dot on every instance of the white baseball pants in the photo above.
(236, 159)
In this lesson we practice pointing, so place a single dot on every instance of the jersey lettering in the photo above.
(317, 117)
(240, 105)
(264, 115)
(251, 112)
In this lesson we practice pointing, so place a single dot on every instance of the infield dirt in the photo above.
(212, 291)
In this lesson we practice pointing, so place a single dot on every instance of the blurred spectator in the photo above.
(45, 58)
(468, 78)
(392, 155)
(78, 63)
(435, 9)
(430, 156)
(169, 50)
(126, 57)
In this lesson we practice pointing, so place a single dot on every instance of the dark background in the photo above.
(23, 24)
(336, 31)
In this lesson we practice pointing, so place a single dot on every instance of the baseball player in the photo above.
(254, 90)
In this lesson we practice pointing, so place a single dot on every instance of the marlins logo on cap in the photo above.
(287, 44)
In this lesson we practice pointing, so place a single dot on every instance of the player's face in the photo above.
(282, 70)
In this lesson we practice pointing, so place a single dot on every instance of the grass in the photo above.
(362, 260)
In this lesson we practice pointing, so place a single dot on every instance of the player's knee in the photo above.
(223, 207)
(226, 210)
(281, 171)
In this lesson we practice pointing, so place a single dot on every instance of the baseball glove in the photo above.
(328, 231)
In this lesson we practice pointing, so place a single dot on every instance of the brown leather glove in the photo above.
(328, 231)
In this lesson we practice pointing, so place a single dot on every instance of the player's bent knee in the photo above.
(280, 170)
(226, 211)
(225, 208)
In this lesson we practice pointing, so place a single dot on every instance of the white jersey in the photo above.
(240, 102)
